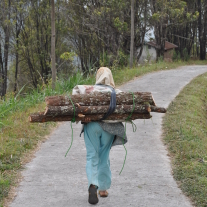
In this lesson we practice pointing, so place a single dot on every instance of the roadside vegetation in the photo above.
(185, 133)
(18, 138)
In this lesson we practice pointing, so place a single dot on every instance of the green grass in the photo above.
(185, 133)
(18, 137)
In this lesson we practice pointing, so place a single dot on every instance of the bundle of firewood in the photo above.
(93, 106)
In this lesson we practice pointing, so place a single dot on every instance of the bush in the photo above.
(160, 59)
(114, 61)
(122, 59)
(176, 55)
(104, 60)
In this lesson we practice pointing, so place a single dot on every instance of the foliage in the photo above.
(172, 10)
(166, 14)
(176, 55)
(160, 59)
(114, 61)
(88, 34)
(121, 26)
(122, 59)
(105, 59)
(149, 56)
(68, 56)
(186, 56)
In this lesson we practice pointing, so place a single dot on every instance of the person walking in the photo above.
(99, 137)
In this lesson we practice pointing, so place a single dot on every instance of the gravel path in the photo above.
(51, 180)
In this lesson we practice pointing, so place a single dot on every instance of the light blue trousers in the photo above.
(98, 144)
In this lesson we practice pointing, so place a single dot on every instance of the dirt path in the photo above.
(51, 180)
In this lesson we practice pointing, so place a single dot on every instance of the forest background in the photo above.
(90, 34)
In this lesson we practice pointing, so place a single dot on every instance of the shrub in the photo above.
(176, 55)
(160, 59)
(114, 61)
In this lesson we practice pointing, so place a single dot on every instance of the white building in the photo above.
(149, 51)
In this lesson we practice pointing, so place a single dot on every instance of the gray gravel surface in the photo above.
(51, 180)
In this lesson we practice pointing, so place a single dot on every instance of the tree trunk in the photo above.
(6, 29)
(202, 30)
(93, 99)
(1, 68)
(16, 52)
(53, 44)
(40, 117)
(132, 34)
(6, 56)
(143, 32)
(120, 109)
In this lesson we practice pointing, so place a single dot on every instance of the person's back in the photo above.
(99, 137)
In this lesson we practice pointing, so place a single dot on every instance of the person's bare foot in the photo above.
(103, 193)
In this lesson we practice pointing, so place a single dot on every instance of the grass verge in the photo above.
(185, 133)
(18, 137)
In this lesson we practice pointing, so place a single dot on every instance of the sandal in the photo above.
(93, 197)
(103, 193)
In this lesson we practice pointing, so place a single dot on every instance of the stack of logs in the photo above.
(93, 106)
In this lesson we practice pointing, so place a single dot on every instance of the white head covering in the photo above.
(104, 77)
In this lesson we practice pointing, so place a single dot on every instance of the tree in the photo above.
(35, 43)
(202, 27)
(53, 43)
(19, 19)
(5, 29)
(142, 17)
(98, 32)
(166, 14)
(132, 34)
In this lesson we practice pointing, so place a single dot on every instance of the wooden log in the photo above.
(158, 109)
(40, 117)
(120, 109)
(97, 99)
